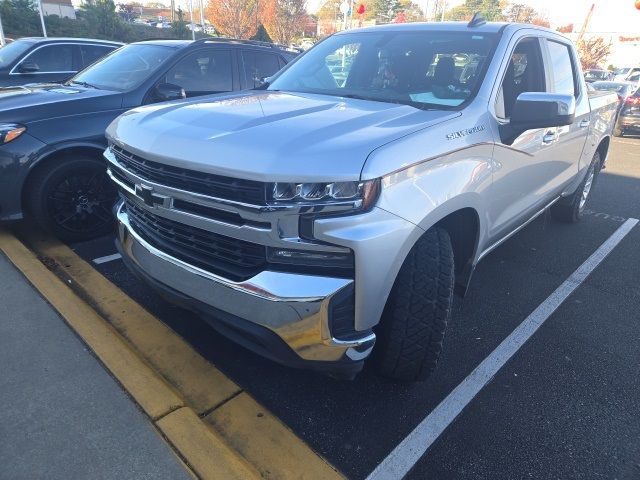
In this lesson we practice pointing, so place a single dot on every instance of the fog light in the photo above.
(309, 258)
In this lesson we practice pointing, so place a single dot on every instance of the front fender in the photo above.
(426, 193)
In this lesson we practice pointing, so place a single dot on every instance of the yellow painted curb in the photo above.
(255, 436)
(154, 396)
(209, 456)
(276, 452)
(202, 384)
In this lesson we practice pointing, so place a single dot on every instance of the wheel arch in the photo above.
(603, 149)
(46, 158)
(463, 227)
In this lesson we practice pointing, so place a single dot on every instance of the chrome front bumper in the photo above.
(294, 307)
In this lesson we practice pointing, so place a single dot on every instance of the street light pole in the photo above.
(193, 30)
(44, 29)
(202, 14)
(2, 42)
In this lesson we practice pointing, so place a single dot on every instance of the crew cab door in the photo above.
(532, 170)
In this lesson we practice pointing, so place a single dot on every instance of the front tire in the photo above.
(415, 318)
(72, 199)
(571, 208)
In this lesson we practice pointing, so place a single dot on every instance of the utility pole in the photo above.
(44, 29)
(2, 42)
(202, 15)
(193, 30)
(444, 7)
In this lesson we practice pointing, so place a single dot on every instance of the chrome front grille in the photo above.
(218, 186)
(229, 257)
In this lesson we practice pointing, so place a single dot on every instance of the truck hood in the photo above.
(36, 102)
(269, 136)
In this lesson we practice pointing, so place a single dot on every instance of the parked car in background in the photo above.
(331, 216)
(593, 75)
(629, 117)
(39, 60)
(622, 89)
(52, 136)
(621, 74)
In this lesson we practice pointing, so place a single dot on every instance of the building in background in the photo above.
(61, 8)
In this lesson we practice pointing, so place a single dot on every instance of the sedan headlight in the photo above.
(10, 131)
(363, 194)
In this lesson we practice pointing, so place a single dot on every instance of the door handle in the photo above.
(585, 123)
(550, 137)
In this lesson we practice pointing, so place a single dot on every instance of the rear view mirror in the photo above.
(538, 110)
(169, 91)
(28, 67)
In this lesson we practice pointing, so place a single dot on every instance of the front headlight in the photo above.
(363, 194)
(10, 131)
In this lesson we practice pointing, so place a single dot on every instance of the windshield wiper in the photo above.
(397, 101)
(83, 84)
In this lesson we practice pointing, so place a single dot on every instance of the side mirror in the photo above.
(28, 67)
(169, 91)
(538, 110)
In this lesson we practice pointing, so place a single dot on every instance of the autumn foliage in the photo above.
(283, 19)
(234, 18)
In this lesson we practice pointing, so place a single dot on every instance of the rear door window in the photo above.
(561, 68)
(203, 72)
(91, 53)
(258, 65)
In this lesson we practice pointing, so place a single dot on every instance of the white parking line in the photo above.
(410, 450)
(107, 258)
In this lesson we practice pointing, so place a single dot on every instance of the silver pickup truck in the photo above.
(331, 215)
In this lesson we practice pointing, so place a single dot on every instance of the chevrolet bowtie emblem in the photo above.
(146, 194)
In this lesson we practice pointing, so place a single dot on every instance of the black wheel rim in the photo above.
(81, 203)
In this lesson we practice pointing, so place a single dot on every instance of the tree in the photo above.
(593, 51)
(102, 18)
(234, 18)
(566, 28)
(520, 13)
(179, 25)
(128, 12)
(491, 10)
(411, 11)
(284, 19)
(386, 10)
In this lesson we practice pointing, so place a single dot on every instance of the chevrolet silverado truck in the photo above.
(330, 216)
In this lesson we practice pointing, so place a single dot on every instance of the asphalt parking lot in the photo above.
(563, 406)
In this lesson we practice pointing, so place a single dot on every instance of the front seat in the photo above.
(445, 72)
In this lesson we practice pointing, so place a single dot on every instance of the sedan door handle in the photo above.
(585, 123)
(550, 137)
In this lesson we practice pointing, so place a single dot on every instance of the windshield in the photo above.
(440, 70)
(125, 68)
(11, 51)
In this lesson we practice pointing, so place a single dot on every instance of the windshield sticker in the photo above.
(465, 132)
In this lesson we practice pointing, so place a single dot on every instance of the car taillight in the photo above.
(619, 98)
(633, 101)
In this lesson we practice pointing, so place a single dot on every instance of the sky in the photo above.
(608, 15)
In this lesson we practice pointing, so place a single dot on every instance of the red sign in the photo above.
(361, 9)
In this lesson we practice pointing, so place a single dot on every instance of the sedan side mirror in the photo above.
(538, 110)
(169, 91)
(28, 67)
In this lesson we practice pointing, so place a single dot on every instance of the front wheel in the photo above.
(72, 198)
(415, 317)
(571, 208)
